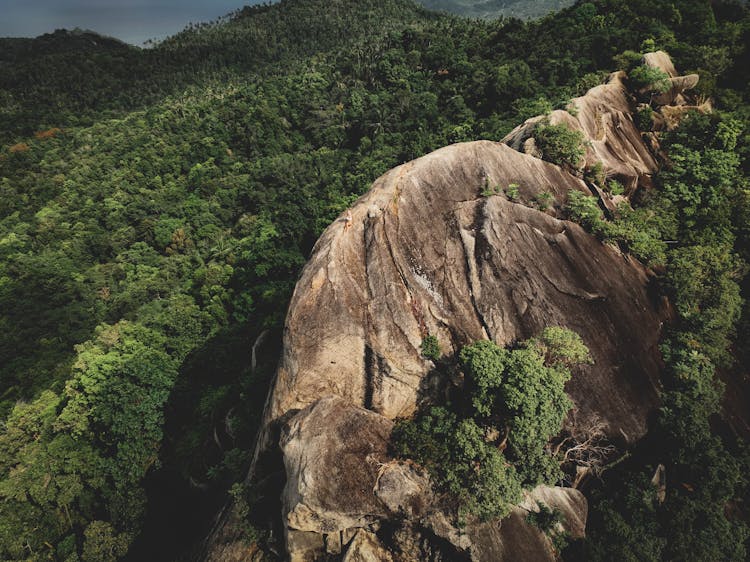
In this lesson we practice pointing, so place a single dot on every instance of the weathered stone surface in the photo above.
(332, 455)
(662, 61)
(513, 539)
(604, 117)
(339, 474)
(570, 502)
(404, 488)
(304, 546)
(440, 258)
(367, 295)
(365, 547)
(680, 84)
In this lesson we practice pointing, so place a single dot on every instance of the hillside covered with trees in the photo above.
(522, 9)
(157, 205)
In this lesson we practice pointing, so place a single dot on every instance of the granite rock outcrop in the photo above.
(469, 242)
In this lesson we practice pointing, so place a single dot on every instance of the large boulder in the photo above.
(442, 246)
(345, 494)
(428, 253)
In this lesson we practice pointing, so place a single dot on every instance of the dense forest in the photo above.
(157, 205)
(523, 9)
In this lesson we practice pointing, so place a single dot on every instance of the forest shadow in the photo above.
(211, 421)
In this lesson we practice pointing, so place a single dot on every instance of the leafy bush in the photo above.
(649, 78)
(615, 187)
(484, 449)
(644, 118)
(560, 145)
(431, 348)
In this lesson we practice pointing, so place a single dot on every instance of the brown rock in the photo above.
(680, 84)
(442, 259)
(515, 540)
(662, 61)
(604, 116)
(332, 454)
(365, 547)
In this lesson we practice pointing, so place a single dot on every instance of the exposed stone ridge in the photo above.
(604, 116)
(429, 252)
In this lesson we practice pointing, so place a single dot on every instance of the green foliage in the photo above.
(239, 493)
(615, 187)
(526, 108)
(548, 521)
(705, 472)
(624, 524)
(634, 229)
(171, 203)
(543, 200)
(595, 174)
(497, 8)
(627, 60)
(562, 346)
(645, 118)
(486, 362)
(103, 544)
(431, 348)
(560, 144)
(703, 280)
(546, 518)
(489, 191)
(512, 191)
(482, 453)
(649, 78)
(584, 209)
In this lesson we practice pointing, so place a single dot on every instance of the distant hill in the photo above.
(523, 9)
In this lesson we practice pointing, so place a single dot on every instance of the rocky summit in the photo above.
(437, 247)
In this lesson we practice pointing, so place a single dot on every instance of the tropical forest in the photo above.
(354, 280)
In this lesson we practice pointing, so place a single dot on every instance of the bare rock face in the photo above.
(604, 116)
(662, 61)
(342, 487)
(339, 475)
(436, 247)
(366, 547)
(514, 539)
(437, 257)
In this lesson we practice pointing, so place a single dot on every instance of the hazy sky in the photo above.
(133, 21)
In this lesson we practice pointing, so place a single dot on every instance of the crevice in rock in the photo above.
(480, 245)
(369, 377)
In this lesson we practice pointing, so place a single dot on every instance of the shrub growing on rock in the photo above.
(430, 348)
(560, 144)
(650, 78)
(491, 443)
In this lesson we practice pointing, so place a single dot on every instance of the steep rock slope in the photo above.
(429, 254)
(603, 115)
(436, 247)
